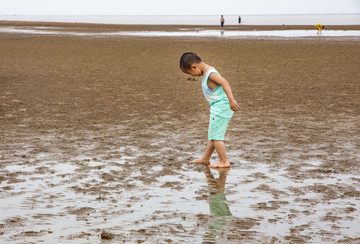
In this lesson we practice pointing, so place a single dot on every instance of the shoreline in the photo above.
(136, 27)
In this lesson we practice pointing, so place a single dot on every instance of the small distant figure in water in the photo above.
(222, 20)
(239, 20)
(319, 27)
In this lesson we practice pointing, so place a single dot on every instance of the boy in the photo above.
(218, 93)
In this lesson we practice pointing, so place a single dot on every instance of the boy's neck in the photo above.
(203, 67)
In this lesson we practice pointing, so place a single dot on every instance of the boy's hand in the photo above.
(234, 106)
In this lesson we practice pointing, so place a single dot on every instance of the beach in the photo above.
(97, 132)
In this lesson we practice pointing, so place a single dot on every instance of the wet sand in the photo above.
(97, 131)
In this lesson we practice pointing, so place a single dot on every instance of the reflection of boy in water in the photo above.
(219, 208)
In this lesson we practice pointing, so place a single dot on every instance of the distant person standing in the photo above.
(239, 19)
(319, 27)
(222, 20)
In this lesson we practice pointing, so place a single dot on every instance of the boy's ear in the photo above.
(193, 66)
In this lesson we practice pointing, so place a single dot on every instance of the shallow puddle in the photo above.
(195, 32)
(77, 199)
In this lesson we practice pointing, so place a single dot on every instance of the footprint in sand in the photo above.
(16, 101)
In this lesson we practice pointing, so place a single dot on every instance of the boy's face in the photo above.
(193, 71)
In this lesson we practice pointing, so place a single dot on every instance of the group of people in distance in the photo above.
(319, 27)
(222, 20)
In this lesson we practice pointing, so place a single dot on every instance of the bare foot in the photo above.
(220, 165)
(200, 161)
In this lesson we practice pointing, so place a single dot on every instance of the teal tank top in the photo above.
(219, 103)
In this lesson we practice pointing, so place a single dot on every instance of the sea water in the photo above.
(305, 19)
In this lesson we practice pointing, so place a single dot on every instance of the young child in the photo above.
(319, 28)
(218, 93)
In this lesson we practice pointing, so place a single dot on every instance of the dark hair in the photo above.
(189, 58)
(323, 26)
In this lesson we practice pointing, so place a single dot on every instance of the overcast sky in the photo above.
(179, 7)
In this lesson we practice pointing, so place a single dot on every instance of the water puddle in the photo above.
(187, 32)
(72, 200)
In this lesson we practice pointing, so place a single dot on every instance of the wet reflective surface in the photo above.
(189, 32)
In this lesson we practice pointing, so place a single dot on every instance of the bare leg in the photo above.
(205, 159)
(220, 148)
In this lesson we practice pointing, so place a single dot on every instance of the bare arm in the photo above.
(214, 77)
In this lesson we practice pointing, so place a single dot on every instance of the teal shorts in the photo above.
(217, 128)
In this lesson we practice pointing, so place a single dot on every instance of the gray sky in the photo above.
(179, 7)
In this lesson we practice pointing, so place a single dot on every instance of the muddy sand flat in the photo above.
(97, 131)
